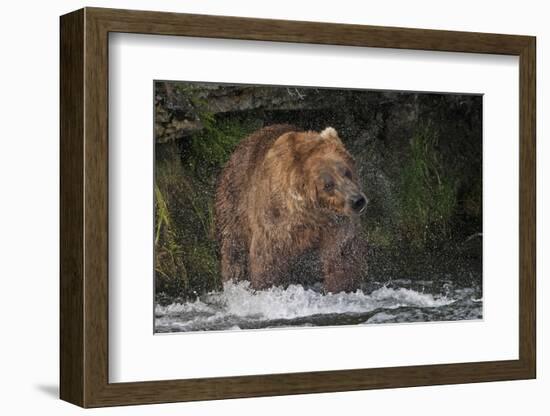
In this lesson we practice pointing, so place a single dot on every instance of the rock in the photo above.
(178, 111)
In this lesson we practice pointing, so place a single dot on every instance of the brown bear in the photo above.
(284, 193)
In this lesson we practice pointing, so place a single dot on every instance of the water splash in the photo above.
(240, 307)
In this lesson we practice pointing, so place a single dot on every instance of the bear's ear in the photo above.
(330, 134)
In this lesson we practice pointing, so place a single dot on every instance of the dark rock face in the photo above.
(178, 111)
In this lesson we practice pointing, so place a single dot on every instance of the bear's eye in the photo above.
(347, 173)
(329, 186)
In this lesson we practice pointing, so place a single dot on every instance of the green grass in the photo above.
(185, 246)
(427, 193)
(170, 268)
(380, 236)
(212, 146)
(186, 260)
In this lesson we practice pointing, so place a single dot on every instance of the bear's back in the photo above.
(238, 172)
(249, 155)
(252, 150)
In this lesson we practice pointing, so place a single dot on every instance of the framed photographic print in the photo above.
(256, 207)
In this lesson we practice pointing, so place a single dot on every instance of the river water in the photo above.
(239, 307)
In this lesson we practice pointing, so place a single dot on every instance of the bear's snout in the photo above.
(358, 203)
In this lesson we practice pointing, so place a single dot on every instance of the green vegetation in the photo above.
(212, 146)
(379, 236)
(186, 260)
(427, 193)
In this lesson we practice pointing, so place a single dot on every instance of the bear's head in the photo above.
(331, 181)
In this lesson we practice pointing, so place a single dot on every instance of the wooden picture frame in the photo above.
(84, 207)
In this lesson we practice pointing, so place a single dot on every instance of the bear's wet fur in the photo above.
(286, 197)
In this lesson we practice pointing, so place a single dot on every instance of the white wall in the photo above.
(29, 206)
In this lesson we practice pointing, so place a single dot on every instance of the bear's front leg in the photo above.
(234, 260)
(341, 263)
(266, 265)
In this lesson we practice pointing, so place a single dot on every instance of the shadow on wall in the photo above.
(51, 390)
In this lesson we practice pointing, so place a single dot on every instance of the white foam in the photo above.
(239, 301)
